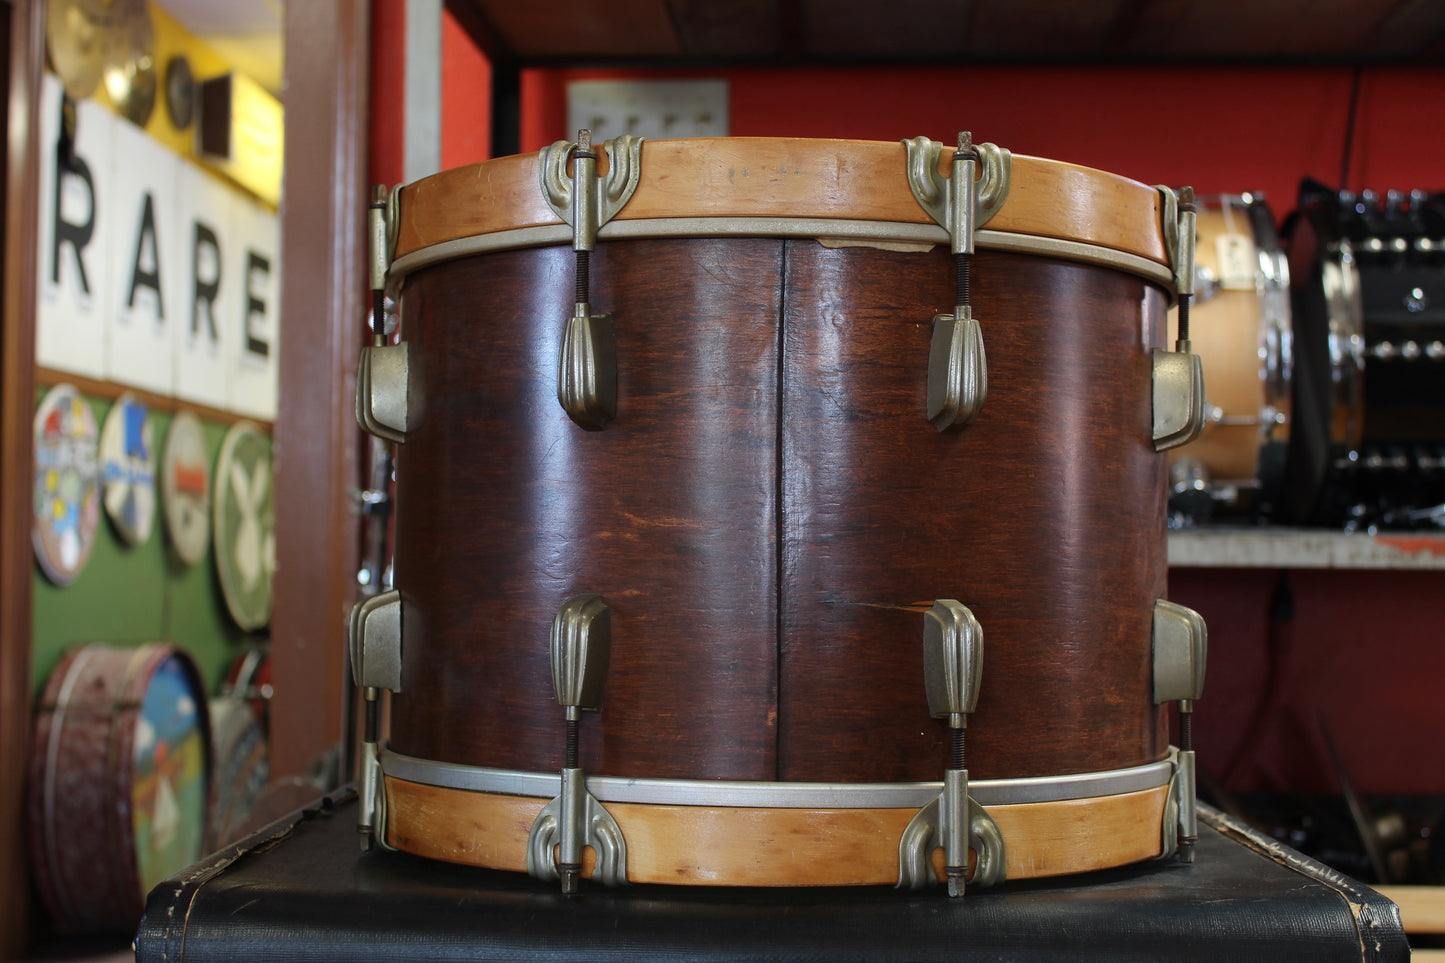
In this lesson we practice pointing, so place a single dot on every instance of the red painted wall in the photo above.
(466, 95)
(1362, 661)
(466, 98)
(1220, 129)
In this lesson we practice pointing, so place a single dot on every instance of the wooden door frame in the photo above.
(17, 401)
(323, 309)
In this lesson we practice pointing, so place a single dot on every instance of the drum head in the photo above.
(168, 792)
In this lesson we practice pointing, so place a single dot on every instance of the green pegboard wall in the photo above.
(130, 595)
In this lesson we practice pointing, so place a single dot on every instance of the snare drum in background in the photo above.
(1369, 306)
(728, 498)
(120, 765)
(1240, 328)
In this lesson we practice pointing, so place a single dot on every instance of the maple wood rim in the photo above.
(769, 847)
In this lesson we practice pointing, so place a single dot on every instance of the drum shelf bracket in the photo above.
(374, 641)
(952, 821)
(960, 204)
(580, 648)
(587, 358)
(1181, 645)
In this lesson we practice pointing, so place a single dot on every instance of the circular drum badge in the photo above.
(67, 486)
(128, 469)
(186, 488)
(244, 516)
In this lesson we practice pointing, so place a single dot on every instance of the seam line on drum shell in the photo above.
(780, 555)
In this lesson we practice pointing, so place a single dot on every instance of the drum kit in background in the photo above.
(1324, 351)
(717, 461)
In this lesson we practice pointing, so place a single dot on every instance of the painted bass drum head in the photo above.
(168, 795)
(67, 484)
(186, 488)
(244, 516)
(118, 793)
(128, 469)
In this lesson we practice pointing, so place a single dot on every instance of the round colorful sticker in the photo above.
(128, 469)
(186, 488)
(67, 485)
(244, 516)
(168, 792)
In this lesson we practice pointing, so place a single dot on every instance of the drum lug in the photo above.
(933, 826)
(371, 801)
(1181, 646)
(936, 194)
(1169, 823)
(957, 368)
(386, 405)
(587, 366)
(1179, 406)
(957, 371)
(580, 648)
(581, 644)
(374, 642)
(573, 820)
(952, 660)
(952, 672)
(374, 635)
(601, 196)
(587, 369)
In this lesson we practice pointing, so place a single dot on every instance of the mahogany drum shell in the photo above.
(771, 512)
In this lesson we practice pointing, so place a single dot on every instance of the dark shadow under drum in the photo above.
(771, 512)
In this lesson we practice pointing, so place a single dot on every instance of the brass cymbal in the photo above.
(131, 75)
(113, 40)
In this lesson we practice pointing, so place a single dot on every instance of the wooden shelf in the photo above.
(1304, 548)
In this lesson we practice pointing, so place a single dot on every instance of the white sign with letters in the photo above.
(71, 329)
(206, 323)
(255, 244)
(153, 273)
(145, 263)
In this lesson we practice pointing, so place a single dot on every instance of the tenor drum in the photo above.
(1369, 303)
(770, 517)
(1241, 330)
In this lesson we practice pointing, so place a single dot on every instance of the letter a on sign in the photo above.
(146, 261)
